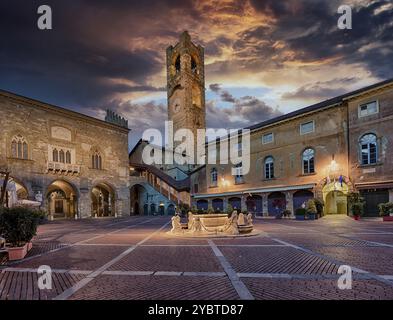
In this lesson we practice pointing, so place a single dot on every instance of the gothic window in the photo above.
(213, 177)
(19, 148)
(55, 155)
(96, 161)
(308, 161)
(68, 157)
(368, 149)
(269, 168)
(61, 156)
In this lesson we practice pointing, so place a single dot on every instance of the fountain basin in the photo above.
(215, 220)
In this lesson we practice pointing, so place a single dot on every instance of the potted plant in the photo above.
(356, 205)
(229, 210)
(300, 214)
(386, 211)
(287, 213)
(311, 209)
(319, 205)
(18, 226)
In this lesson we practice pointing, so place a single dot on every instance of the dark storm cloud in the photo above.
(77, 62)
(104, 53)
(309, 29)
(215, 87)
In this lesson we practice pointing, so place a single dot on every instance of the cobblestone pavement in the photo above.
(134, 258)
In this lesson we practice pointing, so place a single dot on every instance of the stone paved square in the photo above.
(135, 258)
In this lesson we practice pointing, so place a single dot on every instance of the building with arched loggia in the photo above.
(71, 164)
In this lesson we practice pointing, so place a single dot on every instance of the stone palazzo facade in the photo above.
(75, 165)
(325, 150)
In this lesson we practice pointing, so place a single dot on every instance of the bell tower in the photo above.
(186, 85)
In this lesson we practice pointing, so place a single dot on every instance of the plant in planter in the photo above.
(18, 226)
(287, 213)
(311, 209)
(300, 214)
(229, 210)
(386, 211)
(355, 204)
(319, 204)
(41, 215)
(184, 209)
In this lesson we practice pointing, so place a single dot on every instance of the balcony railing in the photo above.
(57, 167)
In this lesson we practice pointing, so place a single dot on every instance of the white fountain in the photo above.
(214, 225)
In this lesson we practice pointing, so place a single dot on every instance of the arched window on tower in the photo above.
(194, 67)
(177, 64)
(368, 149)
(19, 148)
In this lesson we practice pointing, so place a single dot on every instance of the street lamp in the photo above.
(334, 173)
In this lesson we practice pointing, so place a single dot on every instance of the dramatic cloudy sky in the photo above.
(263, 57)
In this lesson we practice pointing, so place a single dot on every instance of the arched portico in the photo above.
(138, 198)
(62, 199)
(103, 199)
(335, 197)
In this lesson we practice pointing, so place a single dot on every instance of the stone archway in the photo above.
(335, 197)
(236, 203)
(103, 200)
(301, 197)
(276, 203)
(138, 198)
(218, 205)
(254, 204)
(62, 199)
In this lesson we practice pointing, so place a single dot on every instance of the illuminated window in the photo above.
(368, 148)
(269, 168)
(308, 161)
(239, 173)
(213, 177)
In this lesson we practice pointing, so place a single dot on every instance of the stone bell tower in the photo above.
(186, 85)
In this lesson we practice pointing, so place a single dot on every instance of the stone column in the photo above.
(243, 202)
(390, 195)
(84, 204)
(289, 201)
(210, 203)
(265, 204)
(225, 203)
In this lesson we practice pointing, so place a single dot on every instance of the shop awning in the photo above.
(374, 185)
